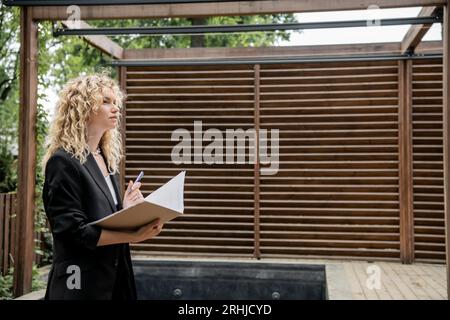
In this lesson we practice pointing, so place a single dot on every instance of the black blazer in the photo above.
(75, 194)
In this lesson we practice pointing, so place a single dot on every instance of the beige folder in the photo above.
(165, 203)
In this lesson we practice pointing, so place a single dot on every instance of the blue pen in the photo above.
(138, 179)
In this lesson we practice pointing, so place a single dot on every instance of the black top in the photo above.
(75, 194)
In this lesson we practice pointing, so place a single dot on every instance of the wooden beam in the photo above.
(256, 189)
(405, 167)
(27, 152)
(417, 32)
(446, 125)
(318, 50)
(346, 49)
(429, 47)
(221, 9)
(103, 43)
(123, 86)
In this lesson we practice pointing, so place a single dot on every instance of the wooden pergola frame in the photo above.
(32, 15)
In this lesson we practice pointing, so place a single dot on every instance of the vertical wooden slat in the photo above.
(123, 87)
(13, 225)
(7, 233)
(257, 252)
(446, 133)
(2, 230)
(27, 151)
(405, 162)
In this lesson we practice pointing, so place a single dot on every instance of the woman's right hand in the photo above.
(132, 196)
(148, 231)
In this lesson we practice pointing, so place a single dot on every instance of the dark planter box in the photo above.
(193, 280)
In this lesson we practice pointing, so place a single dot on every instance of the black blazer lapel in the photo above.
(94, 170)
(115, 182)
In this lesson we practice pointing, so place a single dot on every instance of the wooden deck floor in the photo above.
(397, 281)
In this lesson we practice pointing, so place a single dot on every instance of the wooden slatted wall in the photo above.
(218, 198)
(427, 161)
(336, 192)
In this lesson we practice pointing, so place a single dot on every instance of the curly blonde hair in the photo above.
(78, 99)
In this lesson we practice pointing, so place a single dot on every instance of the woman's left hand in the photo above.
(132, 196)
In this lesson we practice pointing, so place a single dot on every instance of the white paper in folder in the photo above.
(170, 195)
(165, 203)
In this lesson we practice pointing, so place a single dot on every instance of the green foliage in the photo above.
(7, 282)
(247, 39)
(6, 285)
(8, 170)
(69, 57)
(9, 97)
(43, 244)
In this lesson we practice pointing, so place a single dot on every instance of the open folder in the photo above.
(165, 203)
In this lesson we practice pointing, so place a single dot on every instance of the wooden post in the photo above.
(27, 152)
(446, 133)
(123, 86)
(405, 167)
(257, 251)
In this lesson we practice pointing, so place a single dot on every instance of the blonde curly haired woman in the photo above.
(81, 185)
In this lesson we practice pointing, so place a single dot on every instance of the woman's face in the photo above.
(107, 115)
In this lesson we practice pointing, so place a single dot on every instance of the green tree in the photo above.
(9, 97)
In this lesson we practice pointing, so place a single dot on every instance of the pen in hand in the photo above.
(132, 193)
(138, 179)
